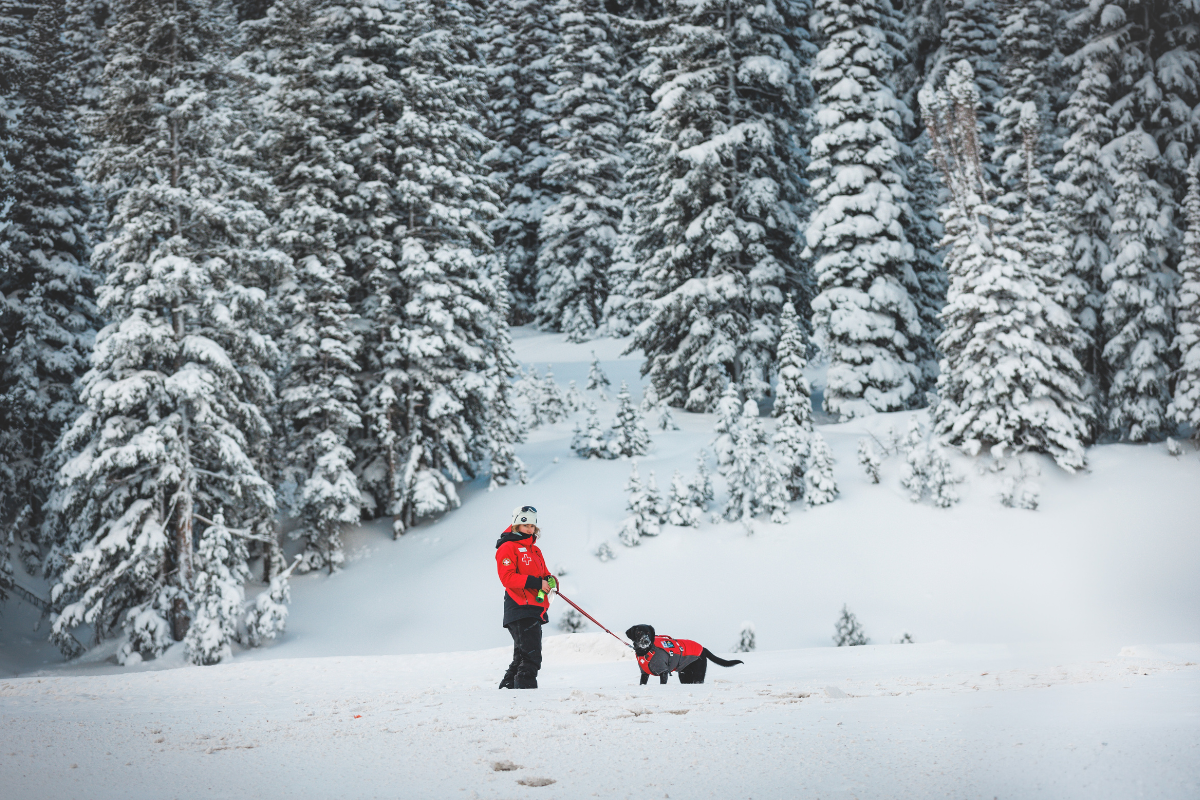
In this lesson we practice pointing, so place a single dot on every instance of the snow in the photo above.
(407, 635)
(877, 721)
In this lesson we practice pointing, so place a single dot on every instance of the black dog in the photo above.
(662, 655)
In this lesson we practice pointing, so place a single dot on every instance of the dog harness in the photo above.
(668, 655)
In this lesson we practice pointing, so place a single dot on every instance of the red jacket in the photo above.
(669, 655)
(521, 568)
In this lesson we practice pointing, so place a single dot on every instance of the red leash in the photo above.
(593, 619)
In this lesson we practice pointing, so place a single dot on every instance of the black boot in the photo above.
(526, 680)
(509, 679)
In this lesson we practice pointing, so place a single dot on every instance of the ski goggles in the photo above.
(528, 510)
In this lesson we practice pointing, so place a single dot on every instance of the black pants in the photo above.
(527, 654)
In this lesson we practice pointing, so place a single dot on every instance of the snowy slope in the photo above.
(966, 721)
(1107, 562)
(1110, 557)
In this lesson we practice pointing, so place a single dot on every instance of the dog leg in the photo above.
(645, 677)
(663, 678)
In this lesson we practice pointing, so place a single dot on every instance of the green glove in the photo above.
(553, 582)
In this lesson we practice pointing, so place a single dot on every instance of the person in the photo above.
(527, 587)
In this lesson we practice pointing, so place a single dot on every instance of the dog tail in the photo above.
(718, 661)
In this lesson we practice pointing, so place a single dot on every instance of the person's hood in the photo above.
(510, 535)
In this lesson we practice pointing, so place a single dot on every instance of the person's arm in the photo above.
(506, 567)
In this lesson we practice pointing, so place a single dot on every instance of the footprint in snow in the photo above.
(504, 766)
(536, 781)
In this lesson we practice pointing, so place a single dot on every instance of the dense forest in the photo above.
(258, 261)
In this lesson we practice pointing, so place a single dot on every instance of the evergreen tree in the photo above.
(793, 404)
(553, 401)
(819, 485)
(597, 381)
(523, 35)
(436, 349)
(267, 617)
(746, 639)
(642, 505)
(48, 316)
(848, 632)
(179, 376)
(591, 442)
(1009, 374)
(1027, 42)
(756, 481)
(504, 428)
(220, 572)
(319, 391)
(868, 459)
(1137, 318)
(630, 437)
(729, 412)
(680, 509)
(1186, 403)
(865, 318)
(973, 33)
(579, 231)
(1083, 203)
(717, 232)
(700, 488)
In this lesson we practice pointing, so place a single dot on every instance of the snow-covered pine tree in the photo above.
(523, 35)
(174, 396)
(267, 616)
(717, 233)
(553, 401)
(319, 391)
(819, 486)
(504, 428)
(578, 232)
(793, 403)
(756, 480)
(436, 341)
(1027, 45)
(597, 381)
(571, 621)
(48, 317)
(590, 441)
(848, 631)
(700, 488)
(680, 510)
(973, 33)
(865, 317)
(1083, 202)
(1137, 322)
(217, 595)
(642, 505)
(729, 412)
(573, 397)
(926, 469)
(630, 437)
(746, 639)
(868, 459)
(1009, 374)
(1185, 406)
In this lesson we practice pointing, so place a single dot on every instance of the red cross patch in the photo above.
(526, 559)
(507, 561)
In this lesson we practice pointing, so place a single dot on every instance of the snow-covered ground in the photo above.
(963, 721)
(1108, 561)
